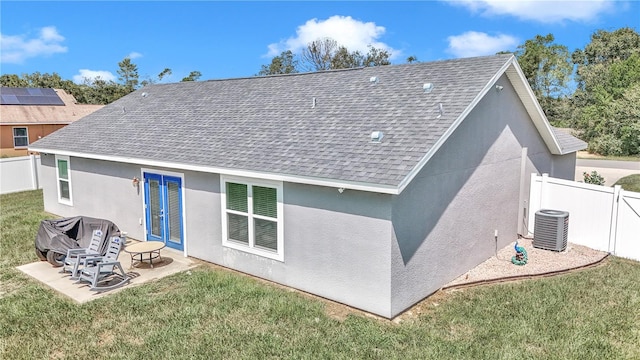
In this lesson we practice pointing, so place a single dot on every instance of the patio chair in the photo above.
(99, 269)
(75, 257)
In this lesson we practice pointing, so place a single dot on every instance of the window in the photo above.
(20, 137)
(64, 180)
(252, 216)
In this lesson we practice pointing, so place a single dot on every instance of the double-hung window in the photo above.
(252, 216)
(63, 176)
(20, 137)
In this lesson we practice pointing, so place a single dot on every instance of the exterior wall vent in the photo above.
(551, 230)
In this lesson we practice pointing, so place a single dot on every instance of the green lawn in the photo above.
(211, 313)
(630, 183)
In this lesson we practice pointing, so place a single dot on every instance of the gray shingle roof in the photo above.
(269, 124)
(568, 143)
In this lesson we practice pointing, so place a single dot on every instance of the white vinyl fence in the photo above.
(600, 217)
(19, 174)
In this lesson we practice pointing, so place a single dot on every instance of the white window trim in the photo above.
(279, 255)
(14, 137)
(61, 200)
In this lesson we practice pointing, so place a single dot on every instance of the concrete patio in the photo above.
(172, 262)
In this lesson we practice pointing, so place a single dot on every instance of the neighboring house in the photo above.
(373, 187)
(28, 114)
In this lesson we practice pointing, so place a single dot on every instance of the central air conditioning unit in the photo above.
(551, 230)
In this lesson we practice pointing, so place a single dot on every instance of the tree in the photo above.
(325, 54)
(161, 75)
(605, 109)
(128, 72)
(318, 54)
(546, 66)
(285, 63)
(343, 59)
(12, 80)
(604, 49)
(99, 91)
(411, 59)
(193, 76)
(164, 73)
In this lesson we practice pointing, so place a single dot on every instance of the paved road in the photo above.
(611, 170)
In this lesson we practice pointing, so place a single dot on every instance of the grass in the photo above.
(587, 155)
(630, 182)
(216, 314)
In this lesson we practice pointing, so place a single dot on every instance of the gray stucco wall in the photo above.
(100, 189)
(336, 245)
(445, 220)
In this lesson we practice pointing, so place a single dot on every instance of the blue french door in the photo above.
(163, 209)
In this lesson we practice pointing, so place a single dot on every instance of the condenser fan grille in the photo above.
(551, 230)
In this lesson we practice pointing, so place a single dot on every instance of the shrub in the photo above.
(593, 178)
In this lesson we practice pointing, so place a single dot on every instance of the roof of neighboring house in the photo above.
(21, 113)
(568, 142)
(310, 128)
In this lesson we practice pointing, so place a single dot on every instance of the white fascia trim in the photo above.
(351, 185)
(407, 180)
(572, 149)
(538, 116)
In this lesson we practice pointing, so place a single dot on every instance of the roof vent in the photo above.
(144, 94)
(427, 87)
(313, 103)
(440, 111)
(376, 136)
(373, 80)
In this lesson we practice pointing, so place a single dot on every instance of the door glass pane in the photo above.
(64, 189)
(237, 197)
(238, 227)
(265, 201)
(266, 234)
(173, 211)
(62, 169)
(154, 208)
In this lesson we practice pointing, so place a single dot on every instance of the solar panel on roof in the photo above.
(9, 100)
(30, 96)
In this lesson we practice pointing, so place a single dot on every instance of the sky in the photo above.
(228, 39)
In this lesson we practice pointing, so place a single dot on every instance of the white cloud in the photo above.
(473, 43)
(348, 32)
(134, 55)
(91, 75)
(541, 11)
(15, 49)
